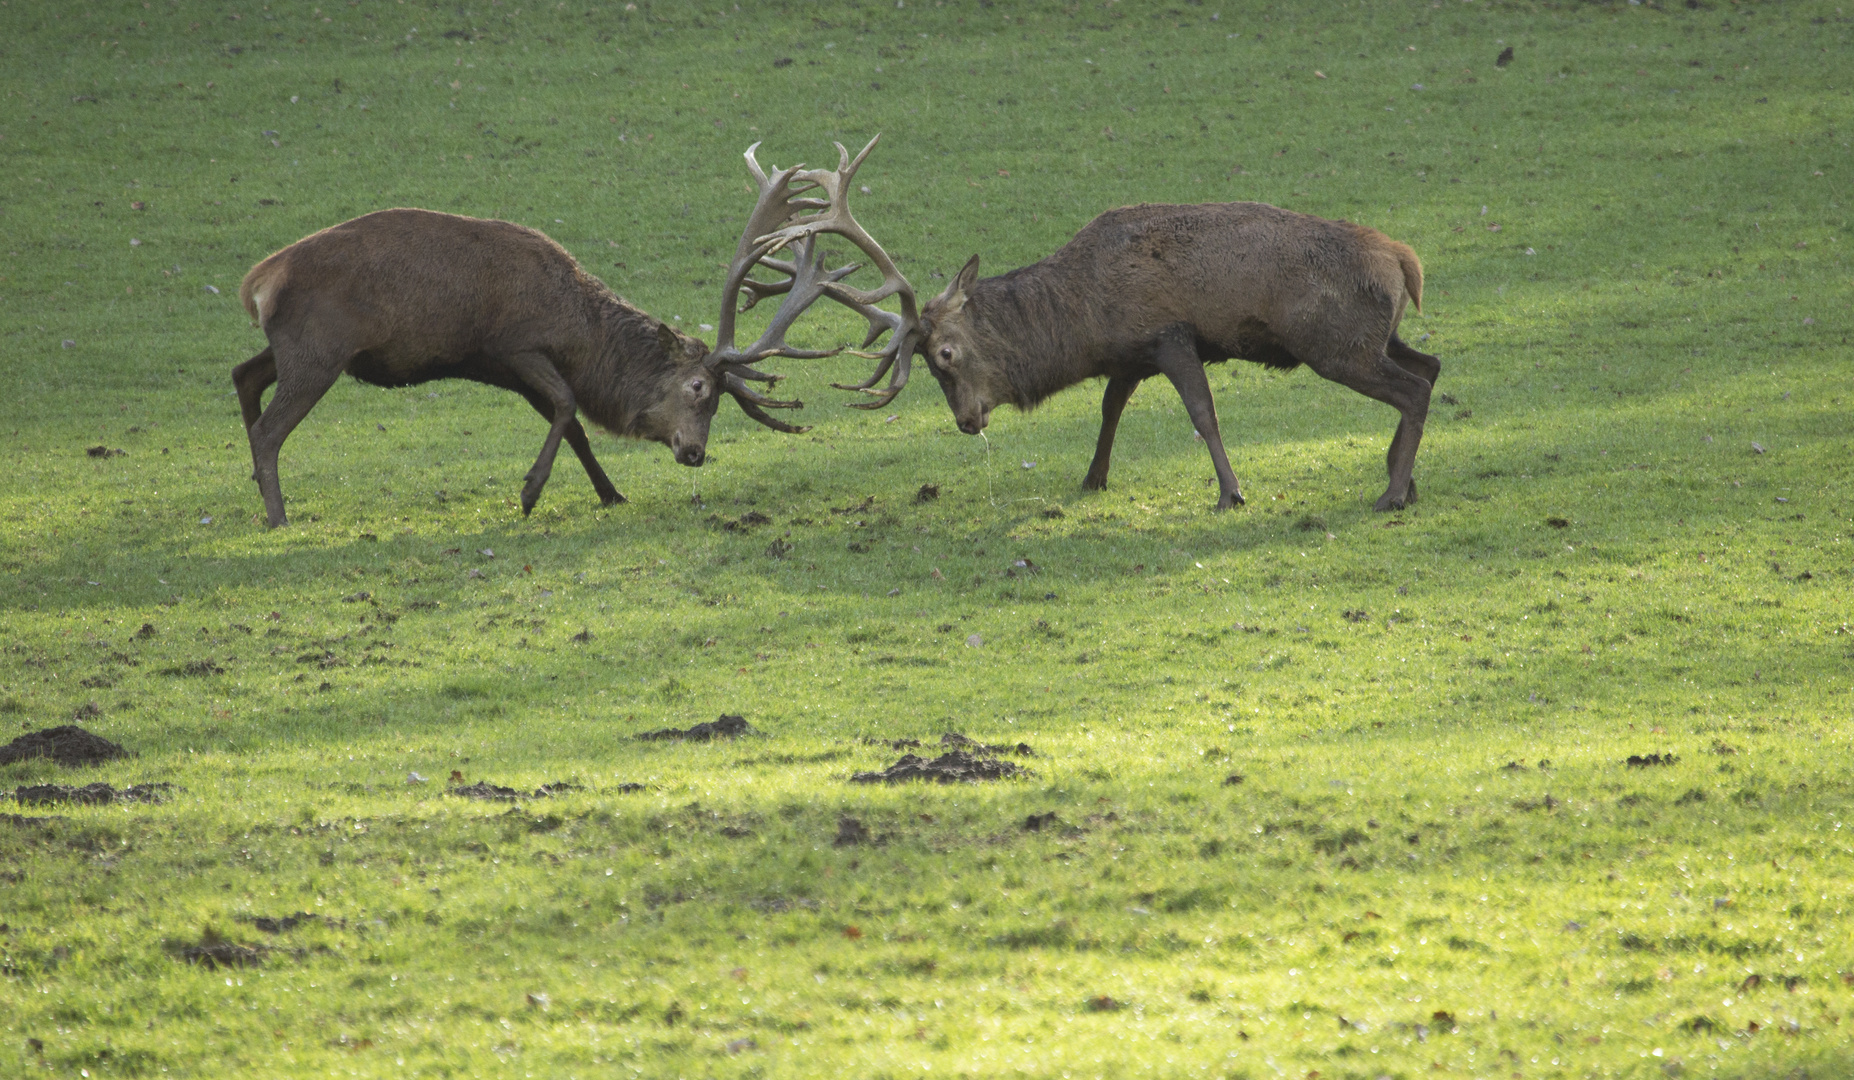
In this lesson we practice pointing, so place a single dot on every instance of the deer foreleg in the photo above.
(1119, 389)
(540, 376)
(582, 449)
(1176, 357)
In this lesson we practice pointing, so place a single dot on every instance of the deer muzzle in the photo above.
(691, 454)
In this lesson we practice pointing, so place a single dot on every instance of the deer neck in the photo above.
(1035, 326)
(628, 368)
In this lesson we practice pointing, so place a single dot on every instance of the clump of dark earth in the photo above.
(927, 493)
(1639, 761)
(850, 832)
(279, 923)
(1039, 822)
(950, 767)
(731, 727)
(104, 451)
(91, 794)
(483, 789)
(23, 820)
(67, 744)
(1232, 779)
(959, 742)
(217, 954)
(628, 788)
(744, 522)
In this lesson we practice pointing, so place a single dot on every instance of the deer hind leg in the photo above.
(1384, 379)
(302, 377)
(582, 448)
(1420, 364)
(1177, 359)
(542, 379)
(1119, 389)
(251, 379)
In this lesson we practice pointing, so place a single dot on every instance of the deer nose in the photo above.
(971, 427)
(692, 456)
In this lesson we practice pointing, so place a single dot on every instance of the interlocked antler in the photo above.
(779, 203)
(833, 216)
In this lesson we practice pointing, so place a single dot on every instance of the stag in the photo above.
(401, 297)
(1163, 290)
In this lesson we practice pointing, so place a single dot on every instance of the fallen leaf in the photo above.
(853, 932)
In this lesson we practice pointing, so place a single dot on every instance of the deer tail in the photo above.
(259, 291)
(1412, 274)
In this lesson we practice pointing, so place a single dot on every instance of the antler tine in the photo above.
(808, 283)
(756, 291)
(775, 207)
(837, 218)
(754, 405)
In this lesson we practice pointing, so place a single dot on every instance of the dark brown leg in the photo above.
(1420, 364)
(1176, 358)
(582, 448)
(1382, 379)
(252, 378)
(301, 382)
(536, 372)
(1119, 389)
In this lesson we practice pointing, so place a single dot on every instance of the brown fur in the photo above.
(401, 297)
(1163, 290)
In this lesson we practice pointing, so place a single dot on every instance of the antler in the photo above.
(833, 216)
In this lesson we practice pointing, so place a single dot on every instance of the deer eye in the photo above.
(946, 352)
(697, 387)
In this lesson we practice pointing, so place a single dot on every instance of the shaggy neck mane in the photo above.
(1023, 319)
(625, 377)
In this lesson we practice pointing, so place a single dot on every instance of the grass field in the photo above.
(1633, 541)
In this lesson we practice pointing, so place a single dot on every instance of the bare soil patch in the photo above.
(67, 744)
(91, 794)
(951, 767)
(483, 789)
(724, 726)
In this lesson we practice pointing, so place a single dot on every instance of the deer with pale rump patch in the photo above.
(1164, 290)
(401, 297)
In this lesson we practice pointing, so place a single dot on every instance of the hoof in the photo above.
(1386, 504)
(614, 500)
(1091, 483)
(1231, 501)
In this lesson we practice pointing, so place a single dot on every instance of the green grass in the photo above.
(1398, 887)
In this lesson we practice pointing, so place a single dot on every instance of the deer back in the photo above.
(415, 287)
(1224, 267)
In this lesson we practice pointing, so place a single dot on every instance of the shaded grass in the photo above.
(1600, 566)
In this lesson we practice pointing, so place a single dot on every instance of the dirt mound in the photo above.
(725, 725)
(67, 744)
(91, 794)
(950, 767)
(1648, 761)
(956, 741)
(483, 789)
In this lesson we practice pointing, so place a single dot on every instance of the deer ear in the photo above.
(672, 344)
(967, 276)
(953, 297)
